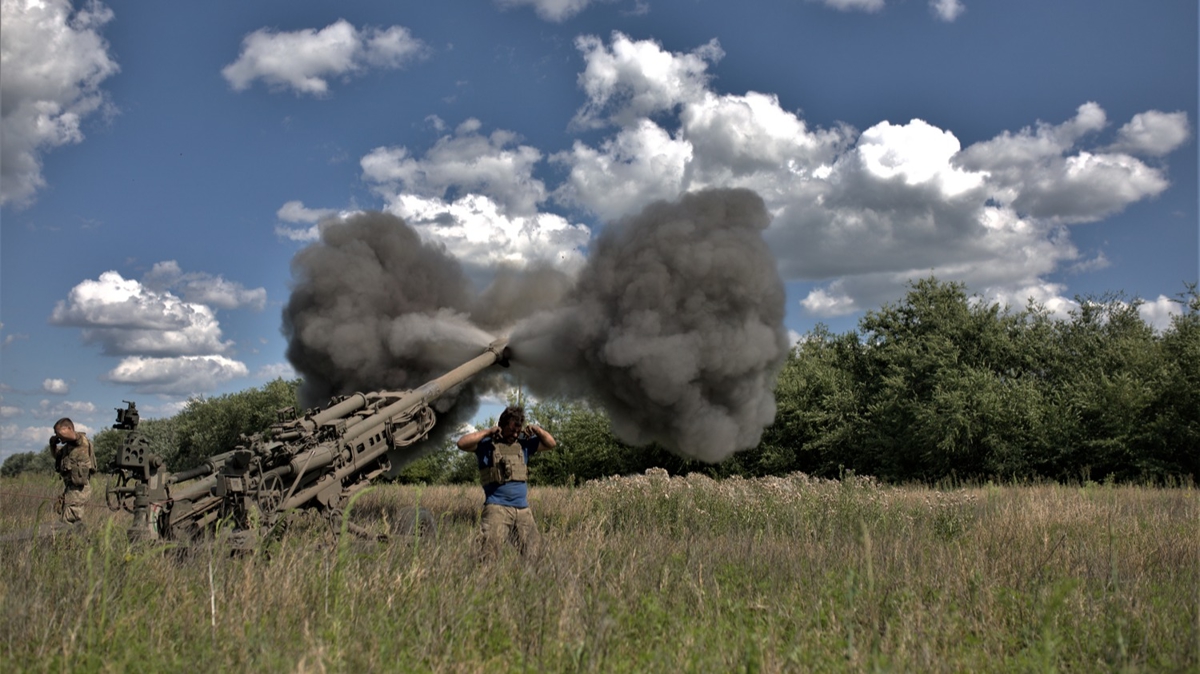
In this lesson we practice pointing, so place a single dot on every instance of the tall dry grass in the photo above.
(638, 574)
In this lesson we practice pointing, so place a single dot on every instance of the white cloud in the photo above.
(831, 302)
(643, 163)
(1158, 313)
(9, 412)
(866, 211)
(185, 375)
(480, 234)
(1048, 295)
(477, 196)
(1094, 264)
(15, 439)
(54, 61)
(947, 10)
(631, 79)
(494, 166)
(854, 5)
(295, 211)
(66, 408)
(56, 386)
(1153, 133)
(125, 317)
(918, 153)
(11, 337)
(556, 11)
(301, 235)
(274, 371)
(1034, 172)
(304, 60)
(164, 410)
(203, 288)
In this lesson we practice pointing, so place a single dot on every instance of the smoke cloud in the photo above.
(675, 324)
(374, 308)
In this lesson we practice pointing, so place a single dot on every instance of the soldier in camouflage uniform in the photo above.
(76, 462)
(502, 453)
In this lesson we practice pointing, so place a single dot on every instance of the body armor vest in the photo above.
(77, 461)
(507, 465)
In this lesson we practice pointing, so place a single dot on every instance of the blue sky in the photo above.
(163, 162)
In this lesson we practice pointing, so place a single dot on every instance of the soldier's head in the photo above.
(64, 428)
(512, 419)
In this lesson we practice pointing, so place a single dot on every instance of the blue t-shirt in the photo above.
(513, 494)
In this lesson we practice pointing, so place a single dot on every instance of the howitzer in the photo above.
(317, 460)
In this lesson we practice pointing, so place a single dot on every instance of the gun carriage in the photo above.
(311, 461)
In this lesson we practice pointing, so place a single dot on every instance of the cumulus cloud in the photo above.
(860, 212)
(170, 345)
(276, 371)
(125, 317)
(184, 375)
(297, 212)
(631, 79)
(14, 438)
(556, 11)
(65, 408)
(476, 195)
(863, 211)
(54, 61)
(493, 165)
(57, 387)
(854, 5)
(1158, 312)
(203, 288)
(947, 10)
(304, 60)
(11, 337)
(1153, 133)
(1044, 173)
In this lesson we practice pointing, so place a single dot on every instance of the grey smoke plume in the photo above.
(369, 304)
(675, 325)
(374, 308)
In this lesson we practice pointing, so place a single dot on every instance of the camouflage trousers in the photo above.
(70, 506)
(500, 524)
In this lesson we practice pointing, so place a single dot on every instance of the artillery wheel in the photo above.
(270, 495)
(411, 521)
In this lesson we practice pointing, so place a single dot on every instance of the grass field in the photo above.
(636, 574)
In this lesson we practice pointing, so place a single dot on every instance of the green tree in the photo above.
(1170, 445)
(434, 467)
(817, 408)
(1104, 382)
(28, 462)
(159, 432)
(210, 426)
(937, 375)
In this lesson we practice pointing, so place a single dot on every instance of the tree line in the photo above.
(939, 385)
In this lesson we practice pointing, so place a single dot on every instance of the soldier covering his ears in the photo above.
(76, 463)
(502, 453)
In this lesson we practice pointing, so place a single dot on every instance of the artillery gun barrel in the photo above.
(350, 405)
(364, 427)
(430, 391)
(211, 465)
